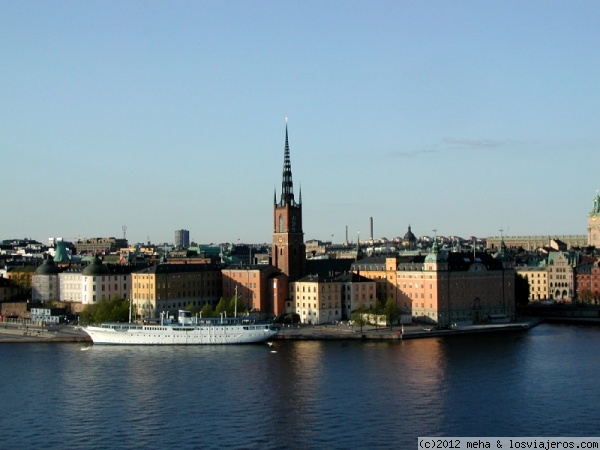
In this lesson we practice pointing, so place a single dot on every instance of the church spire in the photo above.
(287, 186)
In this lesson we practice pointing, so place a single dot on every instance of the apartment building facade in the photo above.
(170, 287)
(260, 287)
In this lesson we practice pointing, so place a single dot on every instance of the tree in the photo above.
(114, 310)
(22, 277)
(241, 307)
(376, 310)
(391, 311)
(585, 296)
(358, 316)
(207, 311)
(221, 306)
(193, 309)
(521, 290)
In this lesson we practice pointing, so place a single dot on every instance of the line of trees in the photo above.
(113, 310)
(117, 310)
(362, 316)
(227, 307)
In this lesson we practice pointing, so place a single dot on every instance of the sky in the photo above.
(464, 117)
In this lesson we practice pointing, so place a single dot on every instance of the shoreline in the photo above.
(19, 333)
(412, 331)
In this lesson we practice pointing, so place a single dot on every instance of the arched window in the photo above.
(281, 223)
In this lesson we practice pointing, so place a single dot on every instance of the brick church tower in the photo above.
(288, 251)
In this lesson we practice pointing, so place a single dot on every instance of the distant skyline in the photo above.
(466, 117)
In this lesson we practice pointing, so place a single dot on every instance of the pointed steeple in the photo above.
(287, 186)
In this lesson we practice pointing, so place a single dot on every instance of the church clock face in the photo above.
(293, 223)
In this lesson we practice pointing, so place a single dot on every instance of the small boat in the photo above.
(187, 330)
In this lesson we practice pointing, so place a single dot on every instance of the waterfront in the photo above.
(302, 394)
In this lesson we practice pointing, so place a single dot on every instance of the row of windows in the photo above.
(174, 285)
(104, 287)
(331, 287)
(247, 285)
(241, 274)
(159, 296)
(107, 277)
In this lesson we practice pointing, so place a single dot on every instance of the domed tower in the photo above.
(288, 251)
(436, 260)
(45, 281)
(410, 239)
(95, 278)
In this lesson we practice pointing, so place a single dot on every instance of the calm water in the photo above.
(304, 395)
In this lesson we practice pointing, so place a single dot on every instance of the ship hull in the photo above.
(179, 335)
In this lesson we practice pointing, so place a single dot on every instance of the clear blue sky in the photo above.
(461, 116)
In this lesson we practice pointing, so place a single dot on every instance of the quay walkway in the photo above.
(412, 331)
(21, 333)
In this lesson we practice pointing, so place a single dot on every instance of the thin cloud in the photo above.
(472, 143)
(412, 153)
(452, 144)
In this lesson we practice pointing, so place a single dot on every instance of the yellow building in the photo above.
(318, 300)
(537, 277)
(382, 270)
(170, 287)
(594, 223)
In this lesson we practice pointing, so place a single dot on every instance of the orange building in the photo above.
(382, 270)
(449, 287)
(261, 288)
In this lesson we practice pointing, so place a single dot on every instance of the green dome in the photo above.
(95, 268)
(48, 267)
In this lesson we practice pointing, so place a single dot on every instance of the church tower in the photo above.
(288, 251)
(594, 223)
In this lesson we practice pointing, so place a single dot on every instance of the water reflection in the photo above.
(302, 394)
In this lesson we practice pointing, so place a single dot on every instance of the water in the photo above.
(305, 395)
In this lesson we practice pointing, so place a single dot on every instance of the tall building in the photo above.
(182, 238)
(288, 251)
(594, 223)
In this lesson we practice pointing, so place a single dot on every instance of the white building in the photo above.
(99, 283)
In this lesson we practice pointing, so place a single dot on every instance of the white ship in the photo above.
(187, 330)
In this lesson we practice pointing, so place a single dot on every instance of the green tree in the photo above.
(392, 311)
(376, 309)
(22, 278)
(241, 307)
(193, 309)
(358, 316)
(207, 311)
(521, 290)
(221, 307)
(114, 310)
